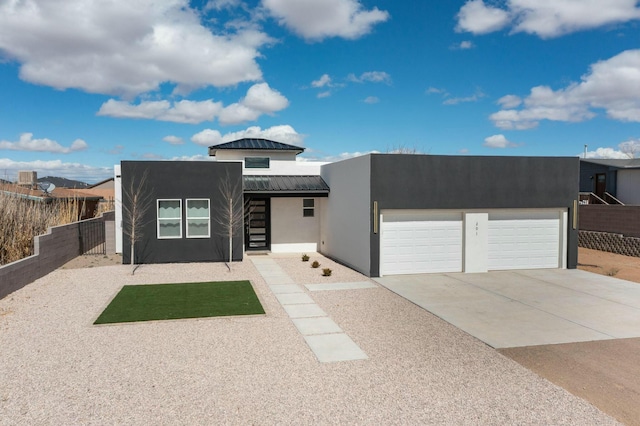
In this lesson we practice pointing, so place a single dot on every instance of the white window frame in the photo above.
(159, 219)
(207, 217)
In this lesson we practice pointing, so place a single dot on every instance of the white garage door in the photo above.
(415, 243)
(524, 240)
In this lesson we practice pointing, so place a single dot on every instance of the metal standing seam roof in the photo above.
(255, 144)
(290, 185)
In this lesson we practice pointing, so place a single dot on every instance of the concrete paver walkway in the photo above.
(526, 308)
(325, 338)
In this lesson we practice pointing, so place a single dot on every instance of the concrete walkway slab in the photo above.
(334, 348)
(527, 308)
(340, 286)
(304, 311)
(318, 325)
(285, 288)
(325, 338)
(293, 299)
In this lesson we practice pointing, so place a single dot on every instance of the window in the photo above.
(169, 219)
(308, 207)
(256, 162)
(198, 218)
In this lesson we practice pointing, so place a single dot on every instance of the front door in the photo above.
(256, 235)
(601, 184)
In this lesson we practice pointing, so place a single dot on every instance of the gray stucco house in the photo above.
(617, 177)
(380, 214)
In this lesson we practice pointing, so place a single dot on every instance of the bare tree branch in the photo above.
(230, 217)
(136, 203)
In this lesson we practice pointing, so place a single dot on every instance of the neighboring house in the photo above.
(619, 178)
(88, 203)
(104, 189)
(380, 214)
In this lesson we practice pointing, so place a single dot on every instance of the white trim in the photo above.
(117, 186)
(207, 217)
(171, 218)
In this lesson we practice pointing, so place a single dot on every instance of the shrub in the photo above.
(305, 258)
(326, 272)
(315, 264)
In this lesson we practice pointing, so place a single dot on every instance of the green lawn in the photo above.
(188, 300)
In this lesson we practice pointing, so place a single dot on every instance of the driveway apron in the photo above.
(527, 307)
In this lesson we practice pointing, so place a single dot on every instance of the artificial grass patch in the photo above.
(187, 300)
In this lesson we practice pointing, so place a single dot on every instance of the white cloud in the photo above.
(207, 137)
(478, 18)
(626, 150)
(222, 4)
(612, 85)
(184, 111)
(283, 133)
(545, 18)
(371, 100)
(76, 171)
(509, 101)
(27, 143)
(322, 95)
(316, 20)
(473, 98)
(173, 140)
(260, 99)
(324, 80)
(463, 45)
(435, 90)
(608, 153)
(371, 76)
(124, 48)
(338, 157)
(498, 141)
(197, 157)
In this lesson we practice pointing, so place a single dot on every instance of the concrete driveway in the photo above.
(526, 308)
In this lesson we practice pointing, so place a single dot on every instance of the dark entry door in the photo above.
(601, 184)
(256, 233)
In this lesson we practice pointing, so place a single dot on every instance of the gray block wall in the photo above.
(55, 248)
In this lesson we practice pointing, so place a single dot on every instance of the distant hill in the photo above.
(63, 182)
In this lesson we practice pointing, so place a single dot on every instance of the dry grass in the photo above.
(21, 220)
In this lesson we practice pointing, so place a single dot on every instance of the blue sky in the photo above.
(86, 84)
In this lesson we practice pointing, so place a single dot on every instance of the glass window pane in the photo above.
(198, 227)
(308, 202)
(198, 208)
(169, 208)
(169, 228)
(256, 162)
(307, 213)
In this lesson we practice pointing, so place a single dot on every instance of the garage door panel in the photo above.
(420, 243)
(523, 240)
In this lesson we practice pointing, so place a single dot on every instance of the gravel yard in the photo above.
(58, 368)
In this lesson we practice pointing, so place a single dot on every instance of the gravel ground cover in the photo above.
(58, 368)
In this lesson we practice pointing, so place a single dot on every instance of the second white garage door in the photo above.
(421, 242)
(524, 239)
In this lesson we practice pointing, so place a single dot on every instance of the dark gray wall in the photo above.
(181, 180)
(402, 181)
